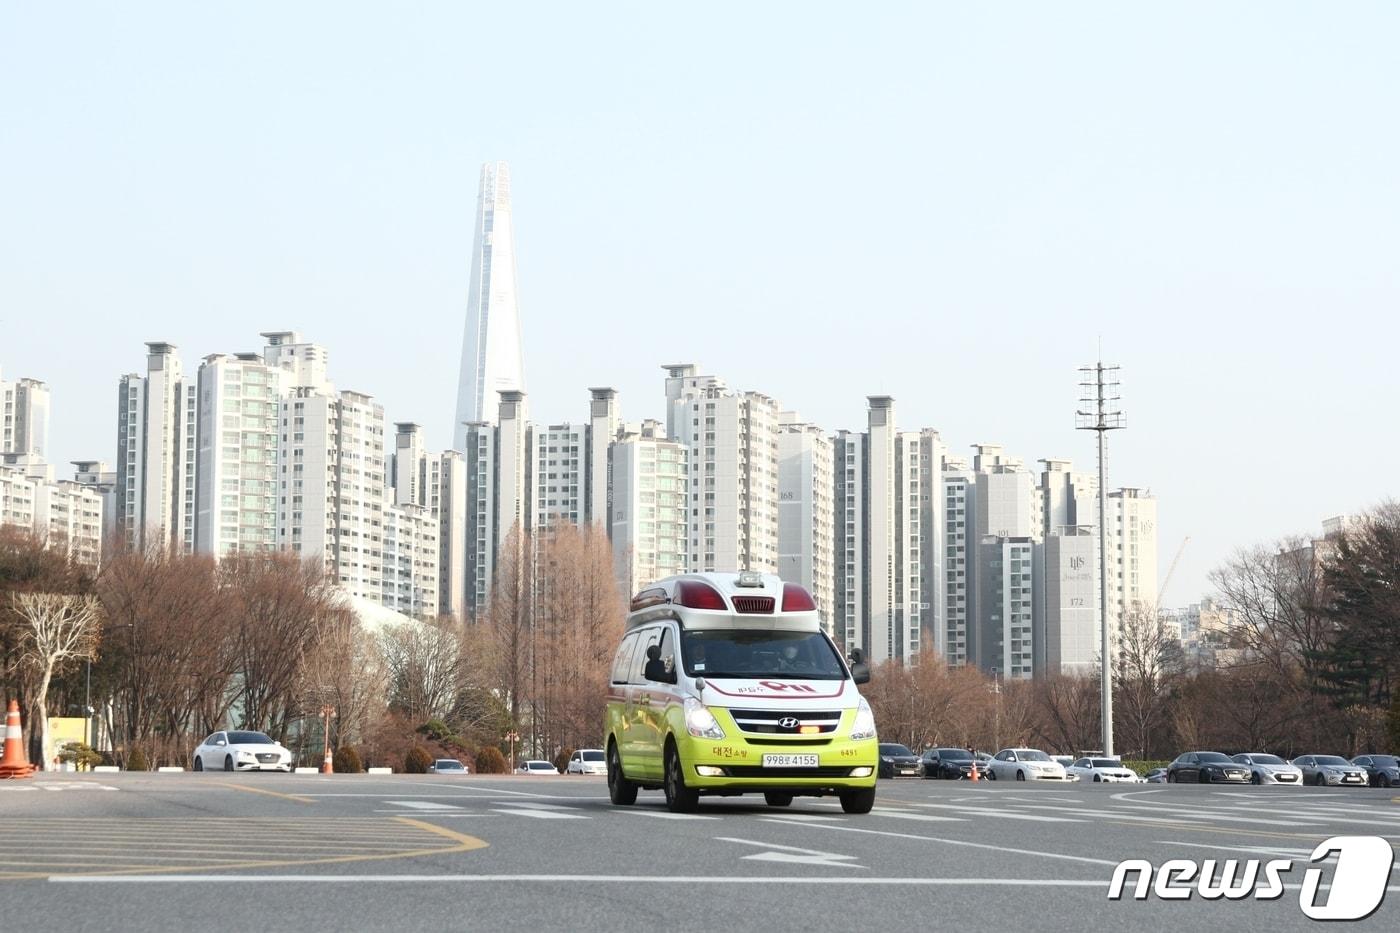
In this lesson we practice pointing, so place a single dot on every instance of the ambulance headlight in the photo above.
(700, 722)
(864, 727)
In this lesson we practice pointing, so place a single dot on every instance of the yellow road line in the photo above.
(464, 843)
(467, 843)
(263, 790)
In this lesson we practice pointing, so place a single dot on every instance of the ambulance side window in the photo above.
(646, 638)
(668, 649)
(622, 661)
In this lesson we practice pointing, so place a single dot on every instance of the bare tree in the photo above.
(424, 663)
(346, 670)
(282, 607)
(167, 661)
(1148, 661)
(1278, 594)
(56, 630)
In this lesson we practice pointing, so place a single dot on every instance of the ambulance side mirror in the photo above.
(860, 672)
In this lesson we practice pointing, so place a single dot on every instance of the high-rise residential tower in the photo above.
(156, 415)
(24, 417)
(806, 516)
(492, 356)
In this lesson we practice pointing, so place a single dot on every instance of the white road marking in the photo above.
(664, 815)
(952, 842)
(423, 805)
(600, 879)
(1252, 850)
(793, 855)
(1215, 816)
(917, 817)
(1001, 814)
(72, 785)
(579, 879)
(1313, 814)
(815, 817)
(540, 811)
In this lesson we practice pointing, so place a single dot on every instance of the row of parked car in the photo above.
(1032, 764)
(1262, 768)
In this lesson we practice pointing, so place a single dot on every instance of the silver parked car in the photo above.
(1270, 769)
(1330, 771)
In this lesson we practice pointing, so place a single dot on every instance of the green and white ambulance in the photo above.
(725, 684)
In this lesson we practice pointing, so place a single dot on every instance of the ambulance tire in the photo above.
(776, 799)
(621, 791)
(858, 801)
(679, 798)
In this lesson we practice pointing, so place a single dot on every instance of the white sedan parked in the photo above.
(1103, 770)
(1024, 764)
(537, 767)
(1270, 769)
(587, 761)
(241, 751)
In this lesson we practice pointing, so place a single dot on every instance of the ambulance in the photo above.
(725, 684)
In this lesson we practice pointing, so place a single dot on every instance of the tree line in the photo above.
(168, 647)
(1310, 664)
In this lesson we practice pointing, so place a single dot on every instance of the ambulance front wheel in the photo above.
(858, 801)
(621, 791)
(679, 798)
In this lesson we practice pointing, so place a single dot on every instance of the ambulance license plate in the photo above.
(790, 761)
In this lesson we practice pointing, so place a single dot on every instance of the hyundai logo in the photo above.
(788, 722)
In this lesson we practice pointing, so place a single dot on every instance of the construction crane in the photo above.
(1171, 570)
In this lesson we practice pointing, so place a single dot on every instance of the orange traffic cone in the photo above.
(974, 771)
(15, 764)
(326, 766)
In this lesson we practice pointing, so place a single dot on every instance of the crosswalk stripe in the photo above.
(423, 805)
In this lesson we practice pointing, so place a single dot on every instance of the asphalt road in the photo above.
(422, 852)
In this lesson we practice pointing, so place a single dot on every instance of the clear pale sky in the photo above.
(950, 203)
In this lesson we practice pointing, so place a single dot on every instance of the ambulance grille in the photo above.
(770, 721)
(754, 605)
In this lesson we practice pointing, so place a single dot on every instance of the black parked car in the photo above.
(948, 763)
(898, 761)
(1381, 770)
(1206, 768)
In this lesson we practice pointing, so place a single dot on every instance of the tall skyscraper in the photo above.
(492, 356)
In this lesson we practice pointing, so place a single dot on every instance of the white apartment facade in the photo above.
(958, 598)
(732, 439)
(806, 512)
(236, 487)
(156, 415)
(24, 417)
(650, 488)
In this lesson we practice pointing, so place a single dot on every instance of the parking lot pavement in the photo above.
(367, 852)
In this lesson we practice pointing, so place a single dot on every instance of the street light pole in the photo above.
(1099, 412)
(512, 737)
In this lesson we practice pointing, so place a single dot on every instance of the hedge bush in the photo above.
(347, 761)
(136, 761)
(417, 760)
(1142, 767)
(561, 760)
(490, 761)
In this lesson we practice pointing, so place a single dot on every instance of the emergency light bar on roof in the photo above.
(727, 600)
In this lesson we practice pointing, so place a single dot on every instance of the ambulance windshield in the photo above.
(752, 655)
